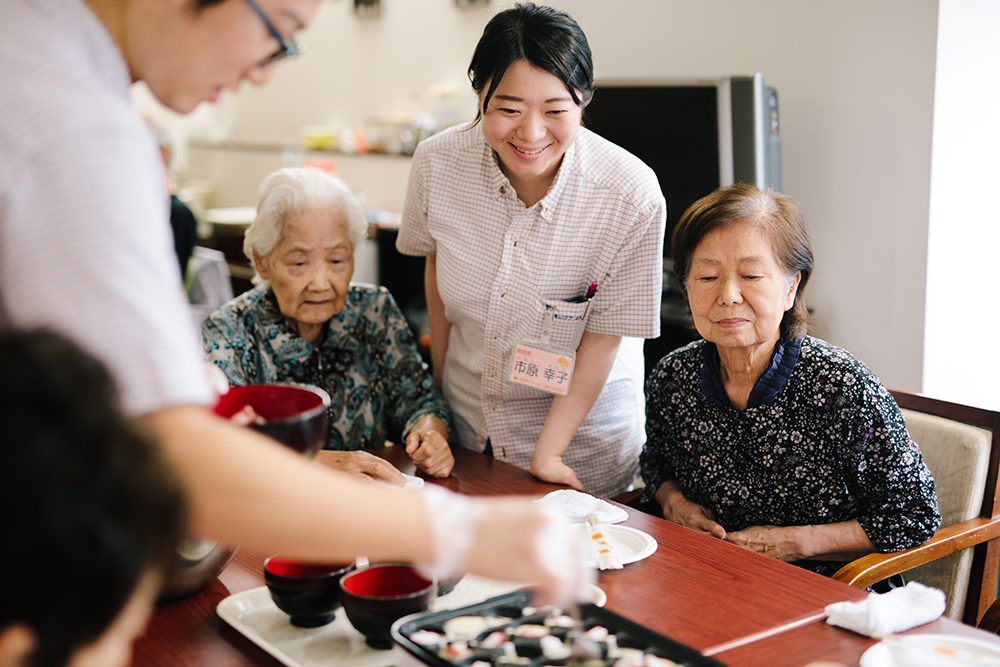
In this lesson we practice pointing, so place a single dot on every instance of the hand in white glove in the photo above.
(511, 539)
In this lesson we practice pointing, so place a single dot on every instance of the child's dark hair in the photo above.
(89, 505)
(546, 38)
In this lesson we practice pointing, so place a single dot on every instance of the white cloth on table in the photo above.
(576, 506)
(499, 264)
(85, 239)
(888, 613)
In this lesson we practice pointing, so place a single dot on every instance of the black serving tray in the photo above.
(511, 605)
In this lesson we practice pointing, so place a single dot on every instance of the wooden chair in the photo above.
(961, 446)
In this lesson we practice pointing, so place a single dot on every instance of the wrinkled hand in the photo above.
(362, 464)
(776, 542)
(680, 510)
(552, 469)
(427, 445)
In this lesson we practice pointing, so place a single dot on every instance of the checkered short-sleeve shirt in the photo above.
(499, 264)
(85, 243)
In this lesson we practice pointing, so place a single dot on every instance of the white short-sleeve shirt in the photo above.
(499, 264)
(85, 241)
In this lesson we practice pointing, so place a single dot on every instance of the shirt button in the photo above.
(503, 292)
(493, 373)
(515, 238)
(496, 335)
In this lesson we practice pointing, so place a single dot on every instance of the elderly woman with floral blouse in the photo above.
(306, 323)
(759, 434)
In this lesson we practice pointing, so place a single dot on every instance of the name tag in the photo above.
(546, 368)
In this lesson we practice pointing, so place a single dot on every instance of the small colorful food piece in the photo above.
(465, 627)
(492, 641)
(560, 621)
(553, 648)
(510, 656)
(426, 638)
(247, 416)
(530, 630)
(456, 650)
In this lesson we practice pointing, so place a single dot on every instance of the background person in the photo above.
(85, 249)
(522, 212)
(93, 513)
(306, 323)
(759, 434)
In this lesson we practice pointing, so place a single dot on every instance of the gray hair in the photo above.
(294, 190)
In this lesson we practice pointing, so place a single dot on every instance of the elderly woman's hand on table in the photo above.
(427, 445)
(362, 464)
(680, 510)
(842, 540)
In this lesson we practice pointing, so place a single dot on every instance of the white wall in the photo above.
(855, 80)
(961, 360)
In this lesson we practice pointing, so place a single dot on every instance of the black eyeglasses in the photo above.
(287, 46)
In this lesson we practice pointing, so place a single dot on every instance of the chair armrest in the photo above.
(873, 568)
(990, 622)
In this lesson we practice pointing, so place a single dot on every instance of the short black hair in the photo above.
(546, 38)
(90, 506)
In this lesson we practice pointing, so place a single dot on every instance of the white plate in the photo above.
(883, 655)
(630, 544)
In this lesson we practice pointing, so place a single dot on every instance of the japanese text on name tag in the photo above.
(548, 371)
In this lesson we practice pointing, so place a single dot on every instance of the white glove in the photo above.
(509, 539)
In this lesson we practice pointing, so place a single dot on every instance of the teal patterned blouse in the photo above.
(367, 361)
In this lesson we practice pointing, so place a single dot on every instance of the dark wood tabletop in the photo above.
(744, 609)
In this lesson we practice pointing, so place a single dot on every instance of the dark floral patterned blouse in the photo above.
(367, 362)
(821, 441)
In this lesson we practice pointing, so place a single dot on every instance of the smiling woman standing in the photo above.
(544, 246)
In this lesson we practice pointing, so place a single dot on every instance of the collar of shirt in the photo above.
(288, 345)
(783, 360)
(102, 56)
(502, 188)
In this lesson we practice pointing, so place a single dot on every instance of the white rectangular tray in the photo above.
(255, 615)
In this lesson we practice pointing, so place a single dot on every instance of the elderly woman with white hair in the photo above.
(305, 322)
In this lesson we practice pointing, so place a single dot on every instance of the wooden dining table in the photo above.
(741, 608)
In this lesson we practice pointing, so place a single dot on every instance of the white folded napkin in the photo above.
(576, 506)
(898, 610)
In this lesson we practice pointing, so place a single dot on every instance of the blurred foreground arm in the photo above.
(244, 490)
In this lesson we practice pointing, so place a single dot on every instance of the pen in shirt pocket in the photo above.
(591, 291)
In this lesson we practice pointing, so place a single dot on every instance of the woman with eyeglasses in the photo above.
(85, 249)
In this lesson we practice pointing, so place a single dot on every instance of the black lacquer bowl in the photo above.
(297, 417)
(507, 612)
(376, 596)
(294, 414)
(308, 593)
